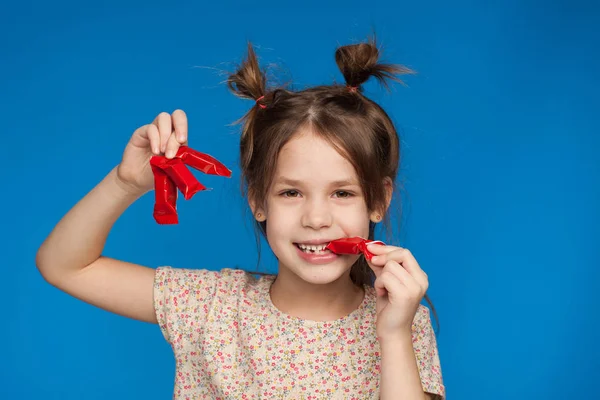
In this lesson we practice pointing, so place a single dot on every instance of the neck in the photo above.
(328, 302)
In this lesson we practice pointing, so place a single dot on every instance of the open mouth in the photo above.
(313, 248)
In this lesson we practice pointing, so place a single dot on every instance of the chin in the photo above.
(320, 272)
(321, 275)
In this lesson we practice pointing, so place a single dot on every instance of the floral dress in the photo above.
(231, 342)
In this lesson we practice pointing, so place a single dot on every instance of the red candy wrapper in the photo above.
(165, 207)
(353, 245)
(178, 173)
(172, 174)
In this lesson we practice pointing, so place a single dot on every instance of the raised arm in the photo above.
(71, 257)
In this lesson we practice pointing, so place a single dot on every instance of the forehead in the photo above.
(308, 157)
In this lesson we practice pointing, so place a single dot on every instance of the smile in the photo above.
(313, 248)
(315, 254)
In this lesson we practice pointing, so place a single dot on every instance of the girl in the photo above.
(317, 165)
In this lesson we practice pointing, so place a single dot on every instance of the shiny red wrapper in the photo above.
(172, 174)
(202, 162)
(353, 245)
(165, 205)
(176, 170)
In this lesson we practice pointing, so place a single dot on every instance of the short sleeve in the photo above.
(426, 353)
(182, 299)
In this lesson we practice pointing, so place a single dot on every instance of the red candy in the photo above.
(353, 245)
(172, 174)
(165, 207)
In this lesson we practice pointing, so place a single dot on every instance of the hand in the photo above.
(400, 285)
(163, 136)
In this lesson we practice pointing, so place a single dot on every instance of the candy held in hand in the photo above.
(172, 174)
(165, 192)
(353, 245)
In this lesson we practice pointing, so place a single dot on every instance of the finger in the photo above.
(180, 124)
(410, 264)
(398, 254)
(376, 263)
(172, 147)
(380, 252)
(147, 136)
(407, 260)
(165, 128)
(411, 283)
(154, 137)
(387, 283)
(422, 278)
(377, 248)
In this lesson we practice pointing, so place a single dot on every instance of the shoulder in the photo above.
(186, 297)
(224, 282)
(168, 274)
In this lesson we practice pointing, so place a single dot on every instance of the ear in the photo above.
(258, 212)
(389, 191)
(377, 215)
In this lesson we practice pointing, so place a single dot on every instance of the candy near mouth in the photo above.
(353, 245)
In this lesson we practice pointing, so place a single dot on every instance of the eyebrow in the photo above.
(294, 182)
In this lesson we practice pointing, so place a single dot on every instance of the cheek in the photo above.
(354, 223)
(356, 228)
(279, 224)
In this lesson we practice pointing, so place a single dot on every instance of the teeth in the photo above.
(313, 248)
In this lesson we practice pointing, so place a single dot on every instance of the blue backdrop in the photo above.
(500, 164)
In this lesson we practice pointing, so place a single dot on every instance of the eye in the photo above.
(290, 193)
(342, 194)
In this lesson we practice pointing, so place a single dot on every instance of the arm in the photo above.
(409, 356)
(70, 257)
(399, 371)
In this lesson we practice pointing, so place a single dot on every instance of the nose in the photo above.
(316, 215)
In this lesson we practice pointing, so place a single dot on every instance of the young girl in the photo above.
(318, 165)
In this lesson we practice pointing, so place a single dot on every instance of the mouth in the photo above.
(313, 248)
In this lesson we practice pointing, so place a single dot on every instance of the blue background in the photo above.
(500, 164)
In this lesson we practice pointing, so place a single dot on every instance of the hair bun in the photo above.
(358, 62)
(249, 81)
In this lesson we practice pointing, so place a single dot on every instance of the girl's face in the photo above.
(315, 198)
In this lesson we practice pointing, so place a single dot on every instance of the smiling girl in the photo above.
(318, 165)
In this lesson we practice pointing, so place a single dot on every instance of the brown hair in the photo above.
(357, 127)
